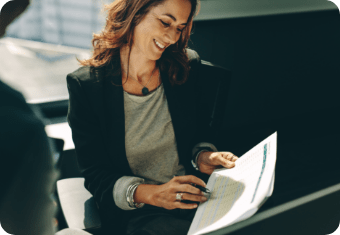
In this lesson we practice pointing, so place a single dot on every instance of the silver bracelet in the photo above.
(136, 205)
(194, 163)
(129, 196)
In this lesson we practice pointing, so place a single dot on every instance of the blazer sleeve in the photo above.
(204, 139)
(100, 174)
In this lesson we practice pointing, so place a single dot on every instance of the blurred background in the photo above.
(61, 22)
(72, 22)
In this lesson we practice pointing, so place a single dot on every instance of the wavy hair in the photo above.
(123, 17)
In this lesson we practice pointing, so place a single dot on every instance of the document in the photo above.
(237, 193)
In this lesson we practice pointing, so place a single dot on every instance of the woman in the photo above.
(135, 123)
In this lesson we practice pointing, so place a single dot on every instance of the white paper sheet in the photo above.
(237, 193)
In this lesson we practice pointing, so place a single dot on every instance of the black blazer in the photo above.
(96, 117)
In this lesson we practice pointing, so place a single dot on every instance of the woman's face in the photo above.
(163, 24)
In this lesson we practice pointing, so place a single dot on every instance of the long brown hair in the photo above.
(123, 17)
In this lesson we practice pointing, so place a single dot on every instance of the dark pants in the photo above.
(151, 220)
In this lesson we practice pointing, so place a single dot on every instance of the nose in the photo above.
(171, 36)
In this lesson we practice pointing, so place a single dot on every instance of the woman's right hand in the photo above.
(165, 195)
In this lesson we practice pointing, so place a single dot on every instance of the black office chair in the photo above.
(78, 205)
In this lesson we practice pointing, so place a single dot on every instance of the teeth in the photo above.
(160, 45)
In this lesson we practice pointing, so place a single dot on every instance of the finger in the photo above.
(194, 198)
(226, 163)
(233, 158)
(187, 179)
(187, 188)
(229, 156)
(182, 205)
(218, 158)
(229, 164)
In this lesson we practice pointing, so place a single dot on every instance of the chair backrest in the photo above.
(78, 205)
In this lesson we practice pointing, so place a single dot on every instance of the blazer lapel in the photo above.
(181, 109)
(115, 119)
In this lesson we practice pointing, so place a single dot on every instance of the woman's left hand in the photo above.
(209, 161)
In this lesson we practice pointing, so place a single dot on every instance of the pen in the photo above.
(201, 188)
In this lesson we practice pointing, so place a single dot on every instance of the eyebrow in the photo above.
(172, 17)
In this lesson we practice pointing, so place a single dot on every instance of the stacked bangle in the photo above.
(194, 162)
(129, 196)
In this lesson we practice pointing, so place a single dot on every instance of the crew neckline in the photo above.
(144, 96)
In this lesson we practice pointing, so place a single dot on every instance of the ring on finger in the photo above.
(179, 196)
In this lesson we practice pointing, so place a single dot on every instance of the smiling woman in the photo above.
(135, 119)
(151, 37)
(139, 26)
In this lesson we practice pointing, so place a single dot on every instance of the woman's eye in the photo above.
(165, 24)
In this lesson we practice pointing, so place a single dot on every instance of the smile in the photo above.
(160, 46)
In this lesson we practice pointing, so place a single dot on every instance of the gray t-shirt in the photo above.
(150, 143)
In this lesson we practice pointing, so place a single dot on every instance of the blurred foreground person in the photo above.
(27, 173)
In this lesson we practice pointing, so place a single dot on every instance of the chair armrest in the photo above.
(78, 205)
(72, 231)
